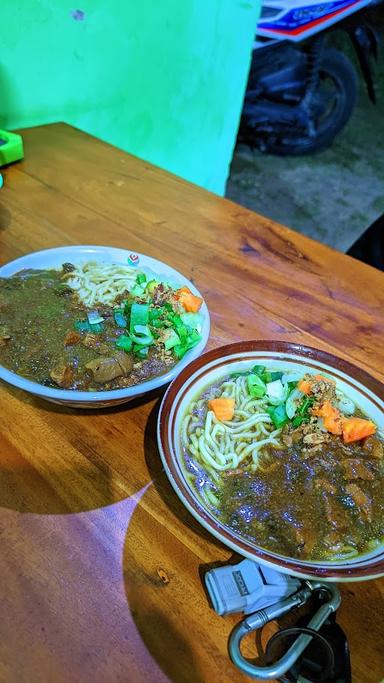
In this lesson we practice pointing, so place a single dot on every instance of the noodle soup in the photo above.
(95, 326)
(286, 460)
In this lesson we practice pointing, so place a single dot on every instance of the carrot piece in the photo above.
(305, 386)
(222, 407)
(355, 429)
(331, 417)
(189, 301)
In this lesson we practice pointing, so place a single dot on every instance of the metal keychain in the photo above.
(242, 587)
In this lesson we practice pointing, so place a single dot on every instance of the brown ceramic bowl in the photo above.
(364, 390)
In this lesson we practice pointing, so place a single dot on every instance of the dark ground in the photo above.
(332, 196)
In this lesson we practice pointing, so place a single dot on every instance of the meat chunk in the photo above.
(107, 369)
(374, 447)
(356, 469)
(4, 339)
(72, 338)
(316, 438)
(125, 361)
(62, 375)
(334, 512)
(325, 485)
(92, 341)
(314, 442)
(360, 499)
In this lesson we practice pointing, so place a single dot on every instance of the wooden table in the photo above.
(99, 562)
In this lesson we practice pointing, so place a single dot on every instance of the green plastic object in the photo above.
(11, 147)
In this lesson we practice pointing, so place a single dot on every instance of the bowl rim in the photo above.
(74, 396)
(284, 564)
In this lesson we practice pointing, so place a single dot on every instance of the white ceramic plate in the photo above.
(54, 258)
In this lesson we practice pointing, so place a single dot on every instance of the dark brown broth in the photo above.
(302, 506)
(36, 312)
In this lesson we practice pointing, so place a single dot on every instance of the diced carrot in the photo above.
(305, 386)
(355, 429)
(222, 407)
(331, 417)
(189, 301)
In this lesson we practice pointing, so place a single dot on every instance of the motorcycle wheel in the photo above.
(337, 90)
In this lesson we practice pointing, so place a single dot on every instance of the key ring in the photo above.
(263, 616)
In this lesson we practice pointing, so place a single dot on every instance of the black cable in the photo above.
(298, 630)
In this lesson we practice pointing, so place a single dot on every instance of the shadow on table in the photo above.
(161, 637)
(36, 477)
(162, 580)
(161, 481)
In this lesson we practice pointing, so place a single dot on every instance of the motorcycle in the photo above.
(301, 90)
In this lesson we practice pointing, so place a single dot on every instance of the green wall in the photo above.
(162, 79)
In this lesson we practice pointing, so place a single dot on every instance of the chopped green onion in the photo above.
(143, 339)
(82, 326)
(256, 386)
(262, 371)
(138, 290)
(94, 318)
(181, 349)
(293, 402)
(258, 370)
(142, 329)
(141, 278)
(154, 313)
(192, 320)
(299, 419)
(142, 335)
(302, 412)
(140, 350)
(119, 316)
(305, 405)
(182, 330)
(276, 375)
(151, 286)
(124, 343)
(139, 315)
(171, 339)
(278, 415)
(85, 326)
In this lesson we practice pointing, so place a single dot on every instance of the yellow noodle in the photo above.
(208, 458)
(101, 283)
(226, 445)
(211, 497)
(194, 440)
(184, 428)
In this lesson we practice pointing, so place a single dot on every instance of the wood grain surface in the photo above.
(100, 563)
